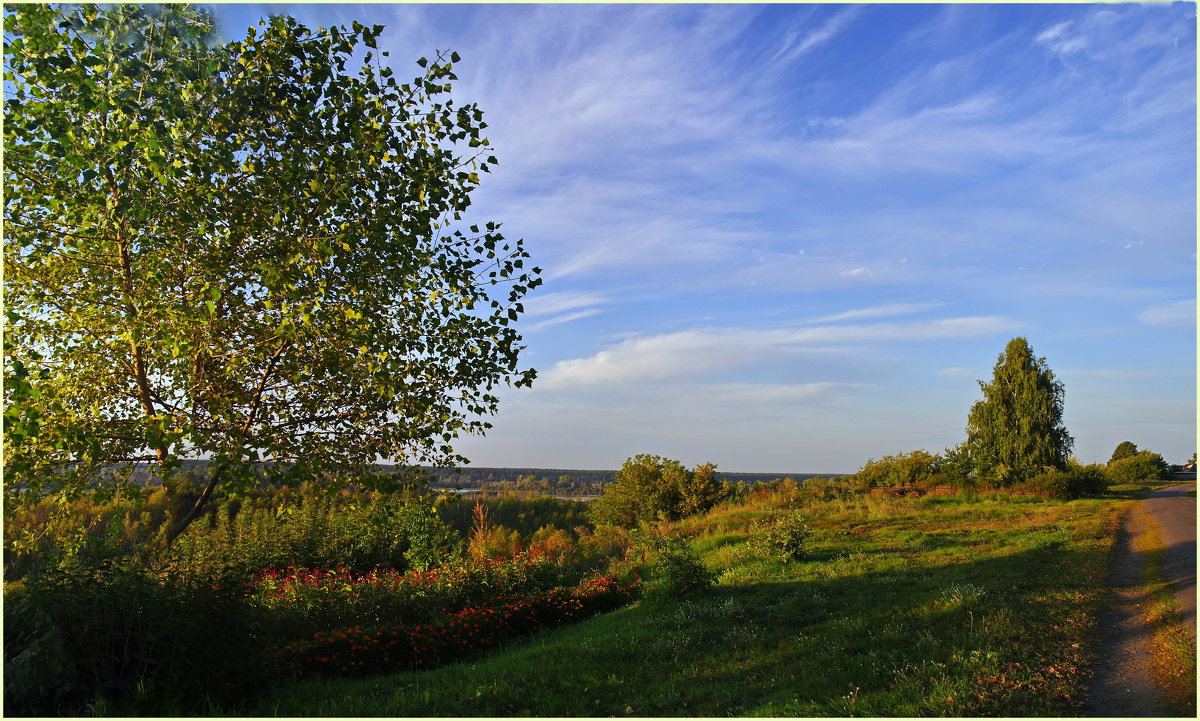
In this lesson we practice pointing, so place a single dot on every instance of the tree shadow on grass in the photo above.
(777, 648)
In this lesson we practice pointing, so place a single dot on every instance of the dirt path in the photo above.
(1122, 686)
(1174, 513)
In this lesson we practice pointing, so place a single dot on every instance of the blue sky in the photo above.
(791, 238)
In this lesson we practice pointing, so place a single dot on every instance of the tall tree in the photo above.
(1016, 431)
(1124, 449)
(240, 251)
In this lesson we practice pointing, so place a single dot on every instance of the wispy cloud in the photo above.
(957, 372)
(877, 311)
(704, 353)
(768, 395)
(1181, 315)
(799, 42)
(1058, 39)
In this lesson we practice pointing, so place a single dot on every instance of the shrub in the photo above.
(649, 488)
(1074, 482)
(1141, 466)
(917, 468)
(675, 568)
(784, 537)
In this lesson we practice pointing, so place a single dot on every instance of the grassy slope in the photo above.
(906, 607)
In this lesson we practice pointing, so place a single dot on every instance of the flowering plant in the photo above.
(364, 650)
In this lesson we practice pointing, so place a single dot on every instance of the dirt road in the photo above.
(1175, 515)
(1122, 687)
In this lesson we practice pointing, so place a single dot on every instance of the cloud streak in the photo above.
(705, 353)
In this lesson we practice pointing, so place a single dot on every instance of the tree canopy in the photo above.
(649, 488)
(1124, 449)
(1016, 431)
(241, 251)
(1138, 466)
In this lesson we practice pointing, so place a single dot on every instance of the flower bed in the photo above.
(318, 599)
(372, 650)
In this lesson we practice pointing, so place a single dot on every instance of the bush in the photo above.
(1074, 482)
(649, 488)
(918, 468)
(784, 537)
(676, 570)
(1141, 466)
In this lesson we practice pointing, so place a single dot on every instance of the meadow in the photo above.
(901, 607)
(955, 604)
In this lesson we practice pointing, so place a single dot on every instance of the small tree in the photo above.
(240, 252)
(649, 488)
(1124, 449)
(1141, 466)
(1016, 431)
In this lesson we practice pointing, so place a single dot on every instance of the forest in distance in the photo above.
(546, 480)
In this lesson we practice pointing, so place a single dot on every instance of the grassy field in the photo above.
(904, 607)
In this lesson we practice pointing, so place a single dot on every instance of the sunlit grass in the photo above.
(904, 607)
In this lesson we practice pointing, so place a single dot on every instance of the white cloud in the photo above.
(561, 301)
(699, 353)
(560, 319)
(766, 395)
(877, 311)
(1057, 40)
(1181, 314)
(796, 45)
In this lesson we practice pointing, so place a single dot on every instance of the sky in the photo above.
(790, 238)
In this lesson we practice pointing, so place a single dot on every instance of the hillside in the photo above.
(902, 607)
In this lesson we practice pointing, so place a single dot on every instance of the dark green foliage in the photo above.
(249, 251)
(957, 467)
(315, 528)
(1141, 466)
(1016, 431)
(676, 569)
(524, 515)
(784, 536)
(1124, 449)
(163, 645)
(359, 651)
(649, 488)
(1075, 481)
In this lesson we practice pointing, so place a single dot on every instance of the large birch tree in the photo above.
(244, 251)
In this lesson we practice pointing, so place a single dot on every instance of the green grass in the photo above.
(1134, 491)
(905, 607)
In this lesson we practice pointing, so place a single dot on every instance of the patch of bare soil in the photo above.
(1122, 686)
